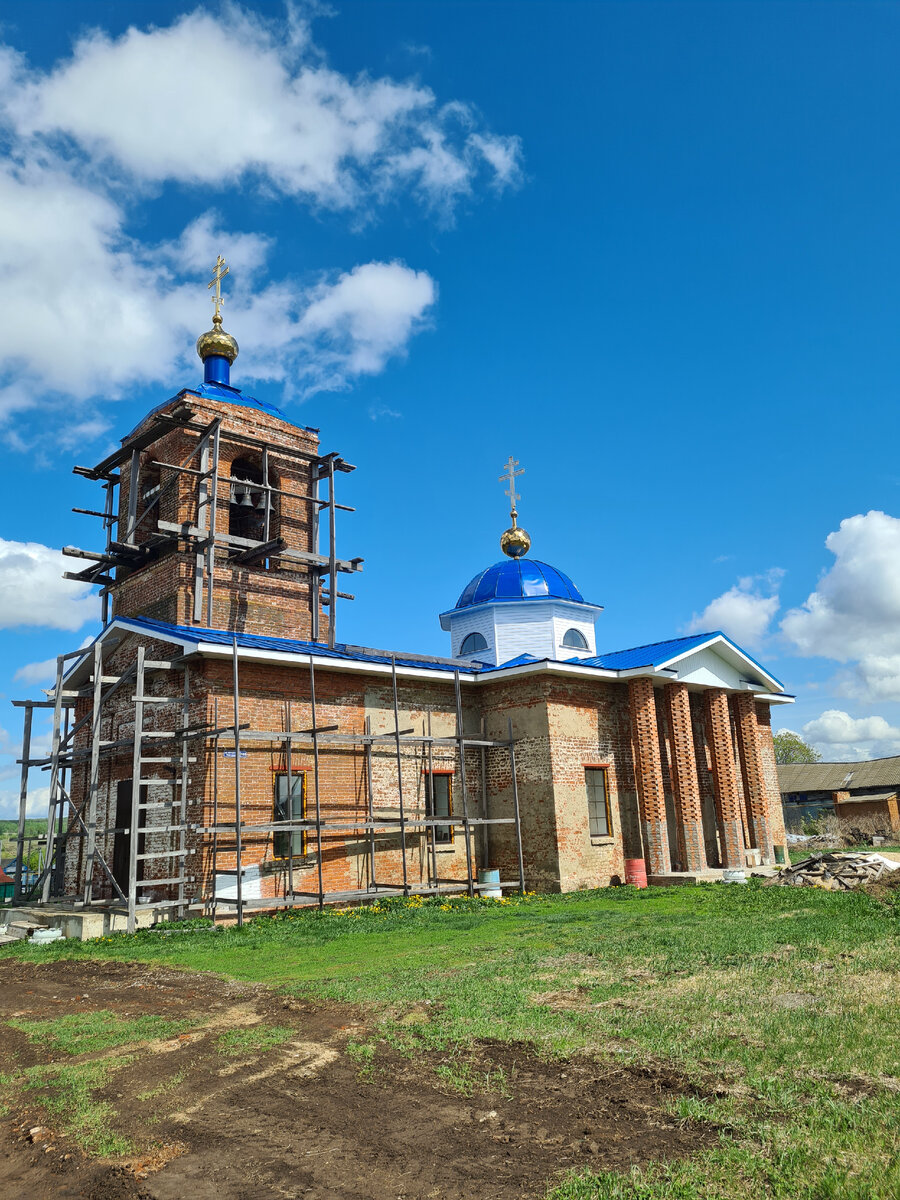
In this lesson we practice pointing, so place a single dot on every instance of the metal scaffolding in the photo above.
(140, 536)
(161, 754)
(122, 802)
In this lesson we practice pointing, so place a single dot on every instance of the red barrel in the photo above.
(636, 872)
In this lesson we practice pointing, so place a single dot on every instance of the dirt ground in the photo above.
(301, 1119)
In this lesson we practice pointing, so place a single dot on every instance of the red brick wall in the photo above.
(685, 781)
(560, 724)
(770, 772)
(274, 600)
(589, 725)
(648, 771)
(725, 777)
(756, 797)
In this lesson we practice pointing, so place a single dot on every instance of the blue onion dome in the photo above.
(519, 579)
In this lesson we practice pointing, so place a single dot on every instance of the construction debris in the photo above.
(837, 872)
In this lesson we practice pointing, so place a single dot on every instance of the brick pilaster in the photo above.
(685, 783)
(728, 801)
(754, 778)
(649, 776)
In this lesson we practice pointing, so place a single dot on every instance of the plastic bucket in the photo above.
(636, 872)
(734, 875)
(779, 853)
(490, 876)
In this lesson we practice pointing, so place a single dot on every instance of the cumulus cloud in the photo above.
(32, 591)
(88, 309)
(368, 314)
(744, 612)
(121, 314)
(82, 306)
(264, 104)
(38, 799)
(853, 615)
(839, 736)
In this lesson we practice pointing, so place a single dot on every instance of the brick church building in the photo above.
(219, 745)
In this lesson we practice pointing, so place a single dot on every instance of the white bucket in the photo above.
(490, 875)
(734, 875)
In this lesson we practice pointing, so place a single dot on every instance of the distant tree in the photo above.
(791, 748)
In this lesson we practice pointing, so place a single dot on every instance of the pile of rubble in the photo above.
(837, 872)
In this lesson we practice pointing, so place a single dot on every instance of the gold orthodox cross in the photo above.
(509, 476)
(218, 275)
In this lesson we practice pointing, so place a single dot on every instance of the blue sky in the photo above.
(652, 250)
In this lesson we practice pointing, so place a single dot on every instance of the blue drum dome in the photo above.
(519, 579)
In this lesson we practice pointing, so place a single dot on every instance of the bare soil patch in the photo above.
(300, 1119)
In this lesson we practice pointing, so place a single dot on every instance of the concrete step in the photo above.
(35, 917)
(16, 930)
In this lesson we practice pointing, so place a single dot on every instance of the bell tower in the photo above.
(220, 512)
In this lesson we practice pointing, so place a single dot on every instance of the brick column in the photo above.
(648, 776)
(685, 784)
(754, 777)
(728, 801)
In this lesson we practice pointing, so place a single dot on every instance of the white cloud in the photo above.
(744, 611)
(32, 591)
(853, 615)
(38, 799)
(114, 313)
(204, 101)
(381, 412)
(42, 672)
(82, 307)
(87, 309)
(368, 314)
(839, 736)
(37, 672)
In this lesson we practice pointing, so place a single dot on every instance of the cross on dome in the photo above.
(218, 275)
(509, 474)
(216, 348)
(514, 541)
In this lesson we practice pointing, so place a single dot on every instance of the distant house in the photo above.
(850, 790)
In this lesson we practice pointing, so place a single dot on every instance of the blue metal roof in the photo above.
(647, 656)
(231, 395)
(255, 641)
(651, 655)
(519, 579)
(657, 653)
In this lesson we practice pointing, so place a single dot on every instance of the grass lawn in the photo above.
(781, 1003)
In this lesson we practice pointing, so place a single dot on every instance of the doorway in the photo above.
(122, 842)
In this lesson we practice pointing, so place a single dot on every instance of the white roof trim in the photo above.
(717, 640)
(353, 666)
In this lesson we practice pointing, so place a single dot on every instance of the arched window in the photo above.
(247, 504)
(472, 643)
(574, 639)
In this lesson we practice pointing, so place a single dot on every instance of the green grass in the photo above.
(88, 1032)
(67, 1092)
(255, 1040)
(168, 1085)
(363, 1054)
(781, 1003)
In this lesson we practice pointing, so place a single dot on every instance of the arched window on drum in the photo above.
(472, 644)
